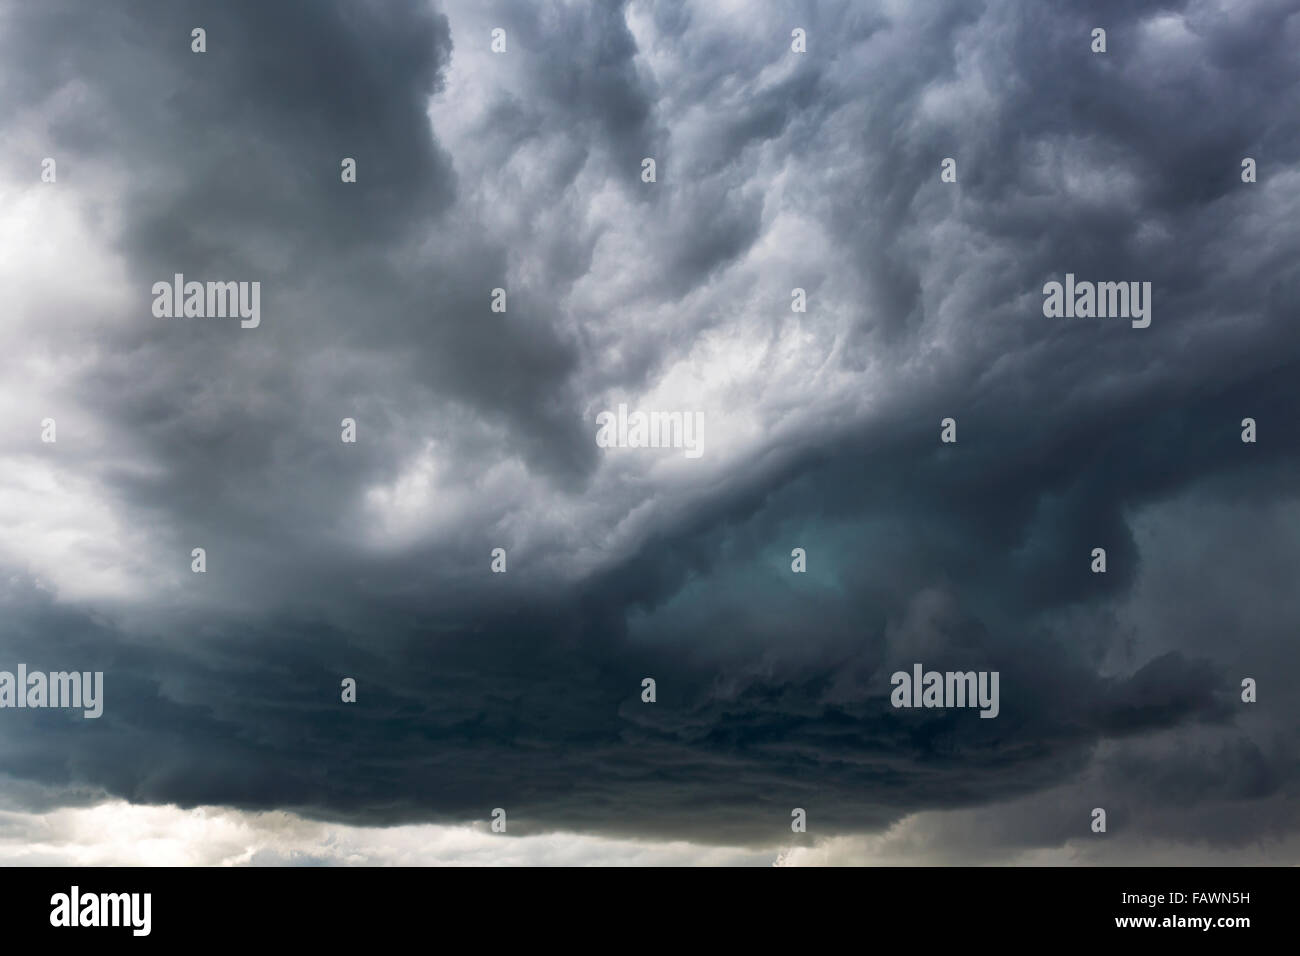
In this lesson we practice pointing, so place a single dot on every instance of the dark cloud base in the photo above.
(477, 691)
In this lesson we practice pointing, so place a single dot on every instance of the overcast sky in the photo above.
(224, 737)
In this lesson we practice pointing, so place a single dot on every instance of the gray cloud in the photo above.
(521, 171)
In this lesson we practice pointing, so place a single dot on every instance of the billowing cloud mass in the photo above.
(476, 429)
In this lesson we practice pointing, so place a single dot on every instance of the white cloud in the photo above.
(121, 834)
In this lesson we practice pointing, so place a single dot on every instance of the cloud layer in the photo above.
(775, 170)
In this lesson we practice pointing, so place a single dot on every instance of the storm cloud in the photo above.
(776, 170)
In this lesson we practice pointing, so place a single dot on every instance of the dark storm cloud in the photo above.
(582, 59)
(235, 157)
(540, 715)
(478, 691)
